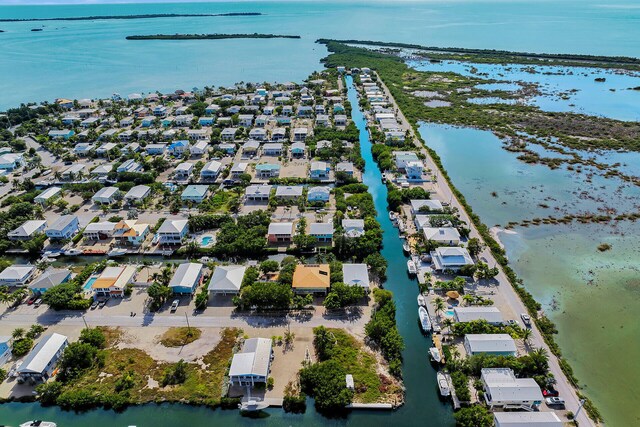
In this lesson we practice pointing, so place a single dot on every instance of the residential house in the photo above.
(11, 161)
(272, 149)
(186, 278)
(267, 170)
(172, 231)
(340, 120)
(297, 149)
(258, 134)
(17, 275)
(345, 168)
(106, 195)
(137, 194)
(300, 134)
(280, 232)
(319, 170)
(43, 358)
(450, 258)
(27, 230)
(199, 148)
(228, 134)
(206, 121)
(258, 192)
(444, 235)
(426, 206)
(156, 149)
(227, 148)
(289, 192)
(83, 149)
(160, 111)
(403, 158)
(64, 227)
(198, 134)
(64, 134)
(322, 231)
(527, 419)
(492, 344)
(195, 193)
(99, 230)
(49, 278)
(129, 165)
(72, 172)
(356, 274)
(278, 134)
(318, 194)
(113, 281)
(128, 232)
(210, 170)
(245, 120)
(226, 279)
(250, 148)
(261, 120)
(183, 120)
(101, 171)
(107, 134)
(148, 121)
(183, 171)
(503, 390)
(212, 109)
(178, 148)
(414, 171)
(323, 120)
(311, 278)
(48, 194)
(469, 314)
(252, 364)
(353, 227)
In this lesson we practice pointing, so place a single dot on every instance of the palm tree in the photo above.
(468, 299)
(439, 305)
(448, 323)
(526, 337)
(17, 333)
(5, 297)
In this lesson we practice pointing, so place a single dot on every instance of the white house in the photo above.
(41, 361)
(469, 314)
(137, 194)
(289, 191)
(106, 195)
(503, 390)
(17, 274)
(353, 227)
(47, 194)
(403, 158)
(252, 364)
(172, 231)
(27, 230)
(258, 192)
(356, 274)
(199, 148)
(443, 235)
(227, 279)
(99, 230)
(210, 170)
(450, 258)
(11, 161)
(183, 170)
(493, 344)
(425, 206)
(527, 419)
(64, 227)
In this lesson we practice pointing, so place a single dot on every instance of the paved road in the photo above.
(504, 288)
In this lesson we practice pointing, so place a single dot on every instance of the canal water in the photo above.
(422, 406)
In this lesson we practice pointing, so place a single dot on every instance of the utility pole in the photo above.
(188, 326)
(582, 401)
(85, 322)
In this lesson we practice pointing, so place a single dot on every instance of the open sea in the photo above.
(593, 297)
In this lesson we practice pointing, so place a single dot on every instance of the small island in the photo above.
(143, 16)
(209, 36)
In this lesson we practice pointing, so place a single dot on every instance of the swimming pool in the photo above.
(449, 313)
(87, 286)
(206, 240)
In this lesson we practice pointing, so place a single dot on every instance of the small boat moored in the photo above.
(435, 354)
(406, 247)
(421, 301)
(443, 384)
(73, 252)
(39, 423)
(116, 252)
(425, 322)
(411, 267)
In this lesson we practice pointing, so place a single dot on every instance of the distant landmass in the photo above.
(209, 36)
(146, 16)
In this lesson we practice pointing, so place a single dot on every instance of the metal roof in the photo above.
(38, 358)
(253, 360)
(186, 275)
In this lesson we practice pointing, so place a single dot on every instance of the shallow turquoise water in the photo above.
(90, 282)
(85, 59)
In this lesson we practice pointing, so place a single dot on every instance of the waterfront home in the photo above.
(107, 134)
(27, 230)
(227, 148)
(199, 148)
(5, 349)
(195, 193)
(126, 122)
(64, 227)
(226, 279)
(129, 165)
(130, 233)
(261, 120)
(356, 275)
(172, 231)
(527, 419)
(426, 206)
(252, 364)
(49, 278)
(414, 171)
(322, 231)
(272, 149)
(283, 120)
(469, 314)
(450, 258)
(48, 194)
(228, 134)
(43, 358)
(503, 390)
(311, 278)
(72, 172)
(61, 134)
(113, 280)
(198, 134)
(394, 137)
(340, 120)
(346, 168)
(106, 196)
(90, 122)
(442, 235)
(17, 275)
(70, 120)
(259, 134)
(300, 134)
(155, 149)
(183, 171)
(280, 232)
(11, 161)
(267, 170)
(160, 111)
(178, 148)
(492, 344)
(148, 121)
(186, 278)
(353, 227)
(422, 221)
(278, 134)
(318, 194)
(304, 111)
(167, 122)
(403, 158)
(210, 170)
(137, 194)
(250, 148)
(320, 145)
(83, 149)
(99, 230)
(319, 170)
(101, 171)
(297, 149)
(258, 192)
(289, 192)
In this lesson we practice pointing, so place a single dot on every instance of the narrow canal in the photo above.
(422, 407)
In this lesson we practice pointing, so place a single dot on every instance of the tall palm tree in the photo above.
(439, 305)
(468, 299)
(526, 336)
(17, 333)
(448, 323)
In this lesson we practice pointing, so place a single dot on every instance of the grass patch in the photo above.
(177, 337)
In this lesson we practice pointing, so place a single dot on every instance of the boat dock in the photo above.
(454, 398)
(382, 406)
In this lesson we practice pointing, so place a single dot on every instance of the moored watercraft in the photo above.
(38, 423)
(425, 321)
(421, 301)
(443, 384)
(435, 354)
(411, 267)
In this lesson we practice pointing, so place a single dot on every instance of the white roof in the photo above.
(62, 222)
(355, 274)
(49, 278)
(432, 205)
(38, 358)
(184, 167)
(16, 272)
(446, 257)
(106, 192)
(28, 228)
(256, 190)
(321, 228)
(227, 278)
(96, 227)
(281, 228)
(212, 166)
(441, 234)
(253, 360)
(468, 314)
(173, 226)
(294, 191)
(48, 193)
(137, 192)
(503, 386)
(186, 275)
(353, 223)
(490, 343)
(527, 419)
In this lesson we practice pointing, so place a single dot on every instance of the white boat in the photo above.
(205, 260)
(435, 354)
(402, 227)
(73, 252)
(46, 259)
(39, 423)
(51, 254)
(117, 252)
(425, 322)
(443, 384)
(421, 301)
(253, 405)
(392, 216)
(411, 266)
(406, 247)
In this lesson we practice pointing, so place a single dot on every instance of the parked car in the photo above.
(174, 305)
(31, 300)
(102, 303)
(554, 401)
(38, 302)
(526, 319)
(512, 322)
(94, 304)
(550, 392)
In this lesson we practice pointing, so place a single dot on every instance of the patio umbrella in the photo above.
(453, 294)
